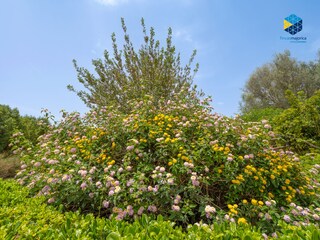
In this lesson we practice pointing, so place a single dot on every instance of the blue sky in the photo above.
(39, 39)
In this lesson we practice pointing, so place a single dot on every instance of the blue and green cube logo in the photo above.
(292, 24)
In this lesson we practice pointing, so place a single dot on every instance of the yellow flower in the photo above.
(254, 202)
(235, 181)
(244, 201)
(242, 221)
(260, 203)
(287, 181)
(169, 163)
(234, 211)
(270, 195)
(272, 176)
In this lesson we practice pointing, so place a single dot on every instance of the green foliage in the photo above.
(311, 162)
(22, 217)
(33, 127)
(131, 74)
(9, 121)
(267, 85)
(256, 115)
(299, 125)
(178, 160)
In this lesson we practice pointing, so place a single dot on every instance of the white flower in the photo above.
(209, 209)
(117, 189)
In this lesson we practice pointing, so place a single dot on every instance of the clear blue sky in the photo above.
(39, 39)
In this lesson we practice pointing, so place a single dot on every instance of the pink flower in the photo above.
(140, 211)
(286, 218)
(105, 204)
(268, 204)
(53, 162)
(83, 173)
(268, 217)
(24, 166)
(65, 177)
(152, 208)
(130, 182)
(37, 164)
(175, 208)
(195, 183)
(92, 170)
(51, 200)
(129, 148)
(130, 210)
(83, 185)
(73, 150)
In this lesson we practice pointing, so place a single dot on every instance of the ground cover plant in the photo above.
(178, 160)
(22, 217)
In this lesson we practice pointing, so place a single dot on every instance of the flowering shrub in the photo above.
(179, 160)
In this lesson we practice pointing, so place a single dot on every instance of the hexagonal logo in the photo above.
(292, 24)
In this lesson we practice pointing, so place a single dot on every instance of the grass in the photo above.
(9, 164)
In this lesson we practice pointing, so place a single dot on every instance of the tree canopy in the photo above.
(131, 74)
(267, 85)
(11, 121)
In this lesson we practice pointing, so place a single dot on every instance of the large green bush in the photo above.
(299, 125)
(257, 115)
(179, 160)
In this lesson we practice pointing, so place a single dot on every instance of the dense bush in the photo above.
(180, 161)
(29, 218)
(257, 115)
(299, 125)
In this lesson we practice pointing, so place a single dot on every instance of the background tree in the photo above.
(131, 74)
(11, 121)
(267, 85)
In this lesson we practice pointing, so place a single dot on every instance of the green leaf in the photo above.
(113, 236)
